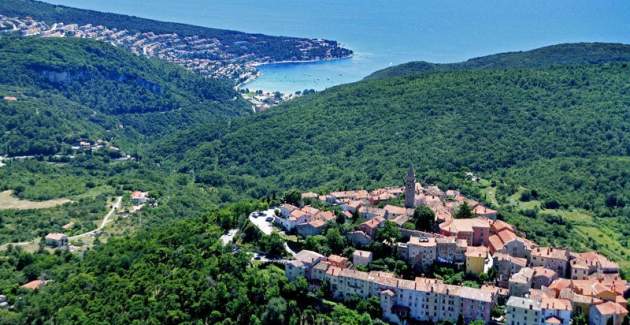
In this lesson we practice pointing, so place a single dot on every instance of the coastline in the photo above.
(259, 74)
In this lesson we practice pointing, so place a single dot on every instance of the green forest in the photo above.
(68, 89)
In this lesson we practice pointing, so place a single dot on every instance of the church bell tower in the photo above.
(410, 188)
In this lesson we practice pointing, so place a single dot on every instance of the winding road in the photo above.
(116, 205)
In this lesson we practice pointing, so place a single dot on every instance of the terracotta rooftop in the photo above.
(550, 252)
(555, 303)
(362, 253)
(35, 284)
(422, 241)
(506, 236)
(499, 225)
(495, 242)
(543, 271)
(55, 236)
(611, 308)
(553, 320)
(480, 251)
(307, 256)
(465, 225)
(373, 223)
(337, 259)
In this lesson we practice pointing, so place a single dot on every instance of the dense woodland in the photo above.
(544, 57)
(68, 89)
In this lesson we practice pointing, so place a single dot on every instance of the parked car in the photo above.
(269, 219)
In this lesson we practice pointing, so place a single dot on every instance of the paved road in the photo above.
(227, 238)
(104, 222)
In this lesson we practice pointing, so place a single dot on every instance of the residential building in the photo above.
(451, 250)
(584, 264)
(371, 212)
(506, 241)
(359, 238)
(369, 227)
(520, 282)
(601, 314)
(360, 257)
(311, 228)
(338, 261)
(56, 240)
(543, 277)
(475, 231)
(551, 258)
(484, 212)
(535, 311)
(506, 265)
(476, 259)
(421, 252)
(138, 197)
(287, 209)
(302, 264)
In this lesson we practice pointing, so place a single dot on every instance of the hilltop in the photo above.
(554, 55)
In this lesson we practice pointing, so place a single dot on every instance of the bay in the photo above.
(388, 32)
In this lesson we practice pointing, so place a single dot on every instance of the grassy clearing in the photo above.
(9, 202)
(589, 232)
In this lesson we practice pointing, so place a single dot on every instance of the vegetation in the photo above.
(68, 89)
(544, 57)
(173, 274)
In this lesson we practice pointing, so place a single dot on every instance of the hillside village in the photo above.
(523, 283)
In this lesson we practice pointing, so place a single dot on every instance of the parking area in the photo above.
(263, 220)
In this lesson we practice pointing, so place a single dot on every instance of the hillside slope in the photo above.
(367, 132)
(554, 55)
(70, 88)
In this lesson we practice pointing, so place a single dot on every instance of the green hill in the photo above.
(71, 88)
(367, 132)
(554, 55)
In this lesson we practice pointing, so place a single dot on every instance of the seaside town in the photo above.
(208, 56)
(530, 284)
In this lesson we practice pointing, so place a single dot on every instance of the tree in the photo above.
(424, 218)
(275, 311)
(341, 218)
(579, 318)
(335, 240)
(388, 232)
(293, 197)
(460, 320)
(272, 244)
(464, 211)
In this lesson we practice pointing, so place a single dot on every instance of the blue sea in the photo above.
(383, 33)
